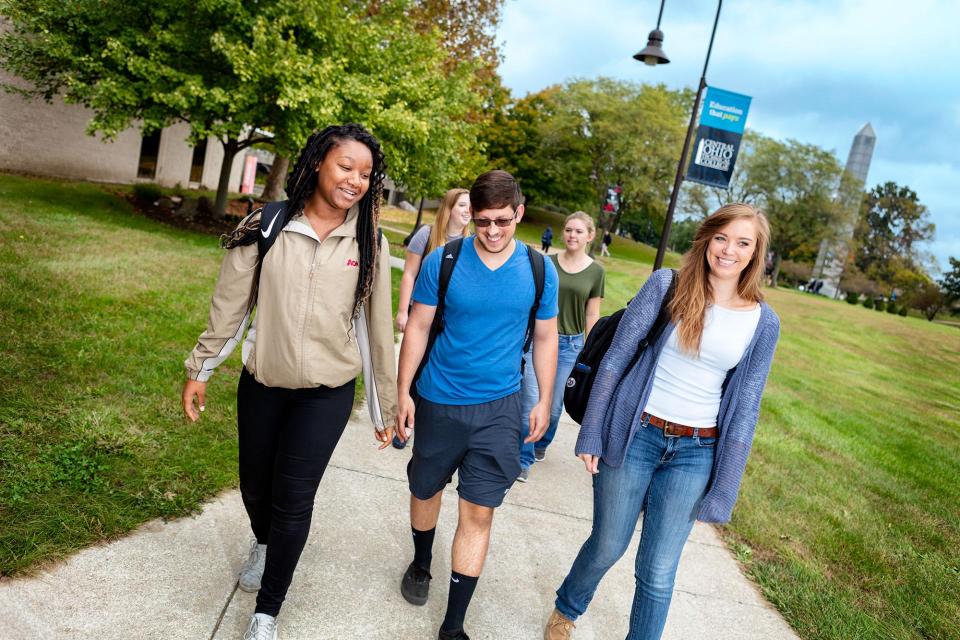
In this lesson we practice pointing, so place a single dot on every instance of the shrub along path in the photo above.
(848, 518)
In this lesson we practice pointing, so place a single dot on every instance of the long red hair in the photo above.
(694, 293)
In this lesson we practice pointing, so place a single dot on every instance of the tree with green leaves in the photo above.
(468, 35)
(231, 69)
(927, 298)
(568, 143)
(795, 183)
(893, 223)
(950, 285)
(514, 143)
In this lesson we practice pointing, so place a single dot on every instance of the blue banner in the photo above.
(725, 110)
(722, 121)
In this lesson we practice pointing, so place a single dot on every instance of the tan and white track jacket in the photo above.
(302, 334)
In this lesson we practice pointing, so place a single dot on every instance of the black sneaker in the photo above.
(415, 585)
(539, 454)
(453, 635)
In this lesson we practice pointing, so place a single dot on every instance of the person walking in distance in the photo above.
(452, 222)
(605, 244)
(468, 413)
(669, 434)
(328, 265)
(546, 239)
(580, 293)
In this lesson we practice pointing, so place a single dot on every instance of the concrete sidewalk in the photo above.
(178, 579)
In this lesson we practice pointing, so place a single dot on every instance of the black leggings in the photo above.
(286, 439)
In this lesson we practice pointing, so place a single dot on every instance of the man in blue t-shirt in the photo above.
(468, 416)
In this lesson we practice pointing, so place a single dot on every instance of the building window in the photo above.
(149, 150)
(196, 165)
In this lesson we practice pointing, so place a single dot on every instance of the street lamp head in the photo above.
(653, 54)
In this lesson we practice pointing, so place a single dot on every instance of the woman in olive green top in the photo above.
(581, 288)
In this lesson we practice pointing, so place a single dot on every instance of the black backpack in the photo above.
(451, 253)
(580, 383)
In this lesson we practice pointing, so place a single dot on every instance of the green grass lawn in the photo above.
(849, 517)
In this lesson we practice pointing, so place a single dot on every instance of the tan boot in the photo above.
(558, 627)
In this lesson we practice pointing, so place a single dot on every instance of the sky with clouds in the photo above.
(817, 71)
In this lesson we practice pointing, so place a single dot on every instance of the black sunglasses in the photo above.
(483, 223)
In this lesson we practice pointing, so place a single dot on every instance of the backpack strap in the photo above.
(539, 277)
(663, 317)
(451, 253)
(268, 233)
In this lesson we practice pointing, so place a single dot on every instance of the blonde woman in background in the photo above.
(581, 289)
(452, 222)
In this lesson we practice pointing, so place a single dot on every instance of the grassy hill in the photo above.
(848, 519)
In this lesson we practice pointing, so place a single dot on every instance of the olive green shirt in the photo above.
(575, 290)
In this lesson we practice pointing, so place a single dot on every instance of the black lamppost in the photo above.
(653, 55)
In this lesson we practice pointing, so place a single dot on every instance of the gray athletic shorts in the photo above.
(479, 441)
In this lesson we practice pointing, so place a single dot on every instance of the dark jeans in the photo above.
(286, 439)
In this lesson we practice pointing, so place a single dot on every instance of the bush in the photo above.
(879, 304)
(793, 273)
(892, 307)
(902, 312)
(868, 302)
(852, 297)
(854, 280)
(205, 205)
(147, 192)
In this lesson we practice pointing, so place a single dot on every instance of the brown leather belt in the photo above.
(673, 430)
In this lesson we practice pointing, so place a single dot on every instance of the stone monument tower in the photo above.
(833, 253)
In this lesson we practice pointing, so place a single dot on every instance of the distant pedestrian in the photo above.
(605, 244)
(546, 239)
(578, 300)
(327, 275)
(669, 436)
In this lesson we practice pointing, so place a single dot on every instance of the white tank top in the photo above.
(687, 389)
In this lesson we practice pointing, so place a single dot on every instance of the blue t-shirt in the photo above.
(477, 357)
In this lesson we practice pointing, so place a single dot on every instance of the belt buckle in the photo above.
(666, 430)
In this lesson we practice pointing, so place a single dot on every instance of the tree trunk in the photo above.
(416, 225)
(278, 172)
(229, 151)
(776, 269)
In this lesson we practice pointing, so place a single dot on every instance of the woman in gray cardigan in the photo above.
(671, 435)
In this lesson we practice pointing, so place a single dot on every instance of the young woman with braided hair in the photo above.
(328, 271)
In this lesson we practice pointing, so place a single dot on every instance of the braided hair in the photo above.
(302, 182)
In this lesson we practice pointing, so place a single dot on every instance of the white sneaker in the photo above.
(261, 627)
(252, 569)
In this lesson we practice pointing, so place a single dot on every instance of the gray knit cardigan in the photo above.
(618, 396)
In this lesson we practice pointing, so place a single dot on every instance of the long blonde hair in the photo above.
(694, 293)
(438, 234)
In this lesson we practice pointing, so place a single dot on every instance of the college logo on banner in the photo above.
(722, 121)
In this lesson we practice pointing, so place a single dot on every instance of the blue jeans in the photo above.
(670, 475)
(569, 347)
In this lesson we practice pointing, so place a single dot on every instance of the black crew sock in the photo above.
(423, 548)
(461, 591)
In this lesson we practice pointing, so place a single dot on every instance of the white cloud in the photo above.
(817, 70)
